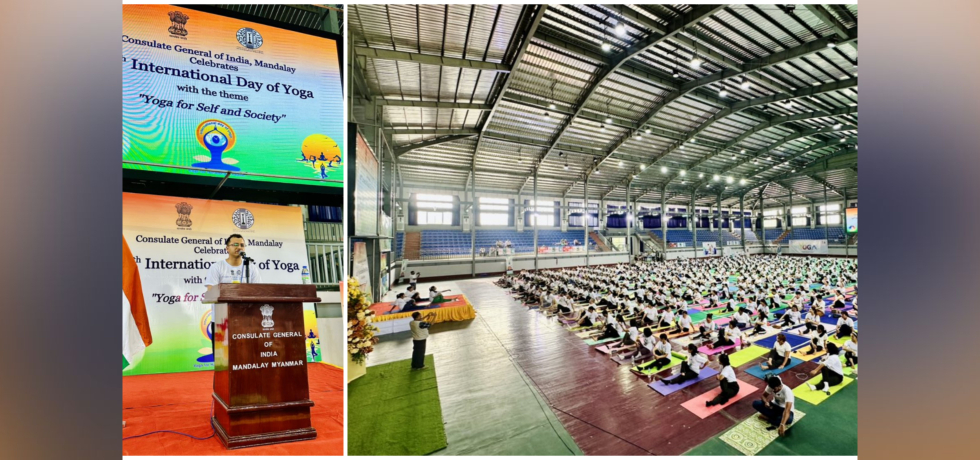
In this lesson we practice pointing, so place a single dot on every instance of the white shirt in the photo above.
(663, 348)
(685, 322)
(785, 395)
(668, 317)
(400, 303)
(742, 318)
(418, 332)
(696, 362)
(709, 326)
(850, 346)
(593, 316)
(647, 342)
(820, 338)
(221, 272)
(833, 363)
(783, 349)
(634, 333)
(842, 321)
(728, 374)
(732, 333)
(413, 277)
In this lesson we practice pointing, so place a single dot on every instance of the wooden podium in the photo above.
(261, 391)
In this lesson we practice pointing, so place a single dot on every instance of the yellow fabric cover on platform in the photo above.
(443, 314)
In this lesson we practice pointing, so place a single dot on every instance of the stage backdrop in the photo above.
(808, 246)
(175, 240)
(214, 92)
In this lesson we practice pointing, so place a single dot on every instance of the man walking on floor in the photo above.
(420, 332)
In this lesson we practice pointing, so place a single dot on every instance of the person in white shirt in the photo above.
(683, 323)
(420, 332)
(791, 318)
(667, 319)
(661, 353)
(690, 368)
(644, 349)
(779, 356)
(818, 339)
(850, 351)
(413, 278)
(590, 318)
(762, 320)
(776, 405)
(813, 318)
(232, 269)
(629, 338)
(707, 327)
(741, 318)
(729, 384)
(831, 370)
(845, 325)
(727, 336)
(402, 304)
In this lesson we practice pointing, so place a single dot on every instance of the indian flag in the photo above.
(136, 327)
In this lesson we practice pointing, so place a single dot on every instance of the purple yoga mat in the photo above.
(604, 349)
(665, 390)
(715, 351)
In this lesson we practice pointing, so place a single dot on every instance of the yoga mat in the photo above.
(744, 356)
(696, 405)
(751, 436)
(816, 397)
(591, 342)
(756, 371)
(801, 354)
(583, 335)
(715, 351)
(770, 331)
(649, 370)
(604, 349)
(567, 321)
(665, 390)
(794, 341)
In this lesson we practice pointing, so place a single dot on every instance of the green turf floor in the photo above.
(393, 410)
(828, 429)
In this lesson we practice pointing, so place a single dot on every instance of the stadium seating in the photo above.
(399, 244)
(832, 234)
(455, 243)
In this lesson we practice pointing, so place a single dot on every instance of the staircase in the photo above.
(598, 242)
(783, 236)
(656, 239)
(412, 245)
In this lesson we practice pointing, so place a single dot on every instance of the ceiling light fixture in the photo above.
(683, 172)
(663, 169)
(838, 125)
(729, 179)
(701, 176)
(716, 177)
(620, 29)
(741, 182)
(606, 46)
(722, 92)
(745, 84)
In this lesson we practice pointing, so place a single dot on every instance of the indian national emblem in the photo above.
(184, 210)
(178, 20)
(267, 315)
(243, 218)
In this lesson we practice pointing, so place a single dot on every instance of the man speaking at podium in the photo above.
(231, 270)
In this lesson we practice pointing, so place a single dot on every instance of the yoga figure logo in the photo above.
(218, 137)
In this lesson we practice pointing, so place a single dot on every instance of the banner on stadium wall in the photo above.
(509, 262)
(361, 269)
(808, 246)
(710, 248)
(175, 240)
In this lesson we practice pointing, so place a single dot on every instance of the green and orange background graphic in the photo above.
(164, 122)
(181, 340)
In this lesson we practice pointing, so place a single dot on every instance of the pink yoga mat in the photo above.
(714, 351)
(696, 405)
(604, 349)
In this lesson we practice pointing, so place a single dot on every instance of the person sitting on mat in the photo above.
(683, 323)
(667, 317)
(690, 368)
(845, 325)
(831, 370)
(402, 304)
(818, 339)
(727, 336)
(589, 317)
(776, 405)
(644, 348)
(779, 356)
(741, 318)
(791, 318)
(707, 327)
(812, 319)
(613, 326)
(661, 353)
(850, 351)
(761, 321)
(729, 385)
(629, 339)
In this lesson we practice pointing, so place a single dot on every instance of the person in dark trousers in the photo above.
(776, 405)
(691, 368)
(420, 332)
(729, 385)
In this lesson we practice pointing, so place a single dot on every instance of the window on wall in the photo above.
(545, 213)
(830, 214)
(798, 210)
(830, 207)
(769, 223)
(799, 221)
(494, 211)
(771, 213)
(434, 209)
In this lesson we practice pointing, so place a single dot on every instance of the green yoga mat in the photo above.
(394, 410)
(648, 370)
(744, 356)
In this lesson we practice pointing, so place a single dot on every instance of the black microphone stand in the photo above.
(246, 260)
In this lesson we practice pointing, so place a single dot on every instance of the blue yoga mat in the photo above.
(828, 320)
(794, 341)
(756, 371)
(665, 390)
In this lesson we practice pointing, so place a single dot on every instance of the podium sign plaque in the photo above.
(261, 390)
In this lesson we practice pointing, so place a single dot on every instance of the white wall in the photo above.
(463, 267)
(333, 333)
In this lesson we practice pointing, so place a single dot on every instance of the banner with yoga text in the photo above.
(808, 246)
(175, 240)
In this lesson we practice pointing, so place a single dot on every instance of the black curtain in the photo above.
(413, 210)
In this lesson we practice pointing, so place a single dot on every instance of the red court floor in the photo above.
(606, 409)
(182, 402)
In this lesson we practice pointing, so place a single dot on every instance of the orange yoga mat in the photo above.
(182, 402)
